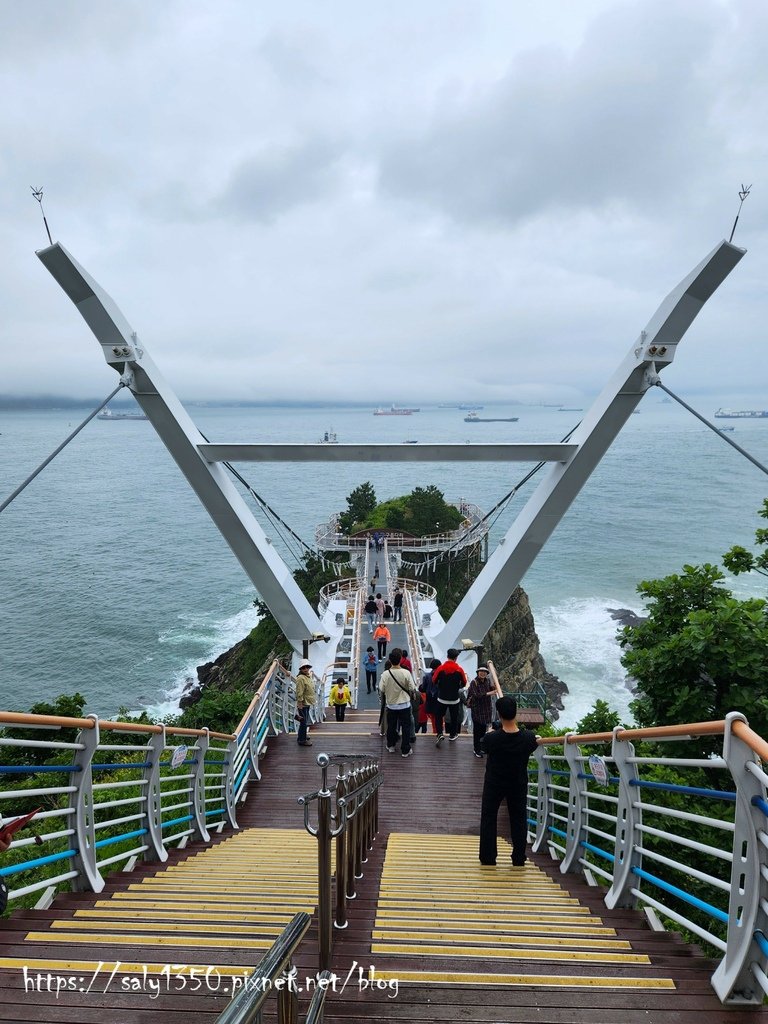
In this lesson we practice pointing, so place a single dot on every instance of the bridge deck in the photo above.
(463, 943)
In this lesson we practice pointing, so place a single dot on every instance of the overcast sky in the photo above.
(433, 198)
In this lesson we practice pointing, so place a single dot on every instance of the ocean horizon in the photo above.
(116, 584)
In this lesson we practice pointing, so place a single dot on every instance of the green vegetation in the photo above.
(422, 512)
(700, 654)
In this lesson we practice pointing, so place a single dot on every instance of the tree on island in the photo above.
(701, 652)
(424, 511)
(360, 504)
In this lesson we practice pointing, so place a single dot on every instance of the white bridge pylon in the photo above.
(571, 463)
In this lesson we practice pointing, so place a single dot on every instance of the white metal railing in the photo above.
(473, 529)
(414, 637)
(654, 834)
(119, 791)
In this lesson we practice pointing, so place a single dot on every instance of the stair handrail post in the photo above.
(577, 795)
(543, 804)
(746, 945)
(341, 853)
(228, 778)
(629, 818)
(358, 823)
(84, 862)
(253, 734)
(200, 829)
(156, 849)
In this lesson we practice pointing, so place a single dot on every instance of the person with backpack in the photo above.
(398, 690)
(370, 664)
(450, 679)
(429, 689)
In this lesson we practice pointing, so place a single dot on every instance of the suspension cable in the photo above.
(61, 448)
(751, 458)
(270, 513)
(498, 508)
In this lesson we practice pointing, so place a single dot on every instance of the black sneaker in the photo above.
(478, 754)
(440, 739)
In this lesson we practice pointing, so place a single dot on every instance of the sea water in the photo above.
(115, 583)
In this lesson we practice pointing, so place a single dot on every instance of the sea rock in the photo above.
(626, 617)
(512, 644)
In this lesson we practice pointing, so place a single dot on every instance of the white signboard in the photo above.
(599, 769)
(179, 756)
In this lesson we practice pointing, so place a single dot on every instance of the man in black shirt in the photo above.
(506, 778)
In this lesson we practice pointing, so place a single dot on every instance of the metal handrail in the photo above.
(173, 784)
(246, 1006)
(605, 817)
(351, 802)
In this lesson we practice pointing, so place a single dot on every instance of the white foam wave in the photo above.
(218, 636)
(578, 644)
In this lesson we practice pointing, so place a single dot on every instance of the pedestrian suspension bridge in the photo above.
(167, 871)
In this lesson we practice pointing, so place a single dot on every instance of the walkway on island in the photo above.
(462, 943)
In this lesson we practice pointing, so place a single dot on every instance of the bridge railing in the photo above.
(108, 793)
(684, 837)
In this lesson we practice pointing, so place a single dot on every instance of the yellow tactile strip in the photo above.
(502, 914)
(239, 894)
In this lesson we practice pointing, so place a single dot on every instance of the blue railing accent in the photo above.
(118, 839)
(243, 772)
(757, 801)
(207, 762)
(598, 851)
(693, 901)
(669, 787)
(557, 831)
(762, 942)
(177, 821)
(38, 863)
(612, 779)
(167, 764)
(20, 769)
(244, 731)
(105, 766)
(211, 814)
(553, 771)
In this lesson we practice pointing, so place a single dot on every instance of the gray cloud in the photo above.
(626, 119)
(495, 198)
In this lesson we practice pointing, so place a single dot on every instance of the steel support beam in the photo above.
(654, 349)
(218, 452)
(128, 357)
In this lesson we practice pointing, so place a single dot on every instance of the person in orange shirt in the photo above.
(382, 636)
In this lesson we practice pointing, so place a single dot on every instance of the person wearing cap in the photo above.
(480, 704)
(305, 699)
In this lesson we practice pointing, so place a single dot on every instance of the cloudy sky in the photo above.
(337, 199)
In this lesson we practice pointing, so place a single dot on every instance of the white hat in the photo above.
(482, 668)
(305, 664)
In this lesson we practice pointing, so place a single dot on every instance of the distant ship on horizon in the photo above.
(394, 410)
(741, 414)
(472, 417)
(107, 414)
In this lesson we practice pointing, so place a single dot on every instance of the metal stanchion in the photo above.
(355, 790)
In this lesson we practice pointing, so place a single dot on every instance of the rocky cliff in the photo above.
(512, 645)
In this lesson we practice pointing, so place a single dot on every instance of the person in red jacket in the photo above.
(449, 679)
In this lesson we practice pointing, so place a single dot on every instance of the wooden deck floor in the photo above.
(470, 940)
